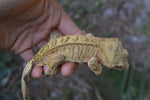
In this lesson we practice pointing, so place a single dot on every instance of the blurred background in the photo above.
(128, 20)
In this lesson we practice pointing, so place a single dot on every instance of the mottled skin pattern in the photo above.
(77, 48)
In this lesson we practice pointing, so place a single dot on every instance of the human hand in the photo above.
(28, 23)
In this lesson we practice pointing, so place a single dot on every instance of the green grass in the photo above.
(120, 85)
(135, 90)
(142, 83)
(95, 7)
(123, 83)
(82, 21)
(6, 67)
(149, 93)
(5, 59)
(68, 95)
(144, 30)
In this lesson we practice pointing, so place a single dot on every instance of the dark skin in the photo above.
(28, 23)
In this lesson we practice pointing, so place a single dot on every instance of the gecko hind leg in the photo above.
(94, 65)
(53, 65)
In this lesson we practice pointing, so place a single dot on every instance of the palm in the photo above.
(31, 26)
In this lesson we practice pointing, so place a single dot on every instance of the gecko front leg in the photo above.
(53, 63)
(94, 65)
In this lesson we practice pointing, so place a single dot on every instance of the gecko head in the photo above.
(114, 55)
(122, 63)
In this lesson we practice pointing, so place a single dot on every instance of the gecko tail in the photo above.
(25, 80)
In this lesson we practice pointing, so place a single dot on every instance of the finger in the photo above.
(27, 55)
(42, 44)
(37, 72)
(68, 68)
(67, 26)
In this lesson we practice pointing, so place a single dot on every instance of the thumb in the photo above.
(27, 55)
(67, 26)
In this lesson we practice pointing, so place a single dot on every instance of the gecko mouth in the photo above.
(120, 68)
